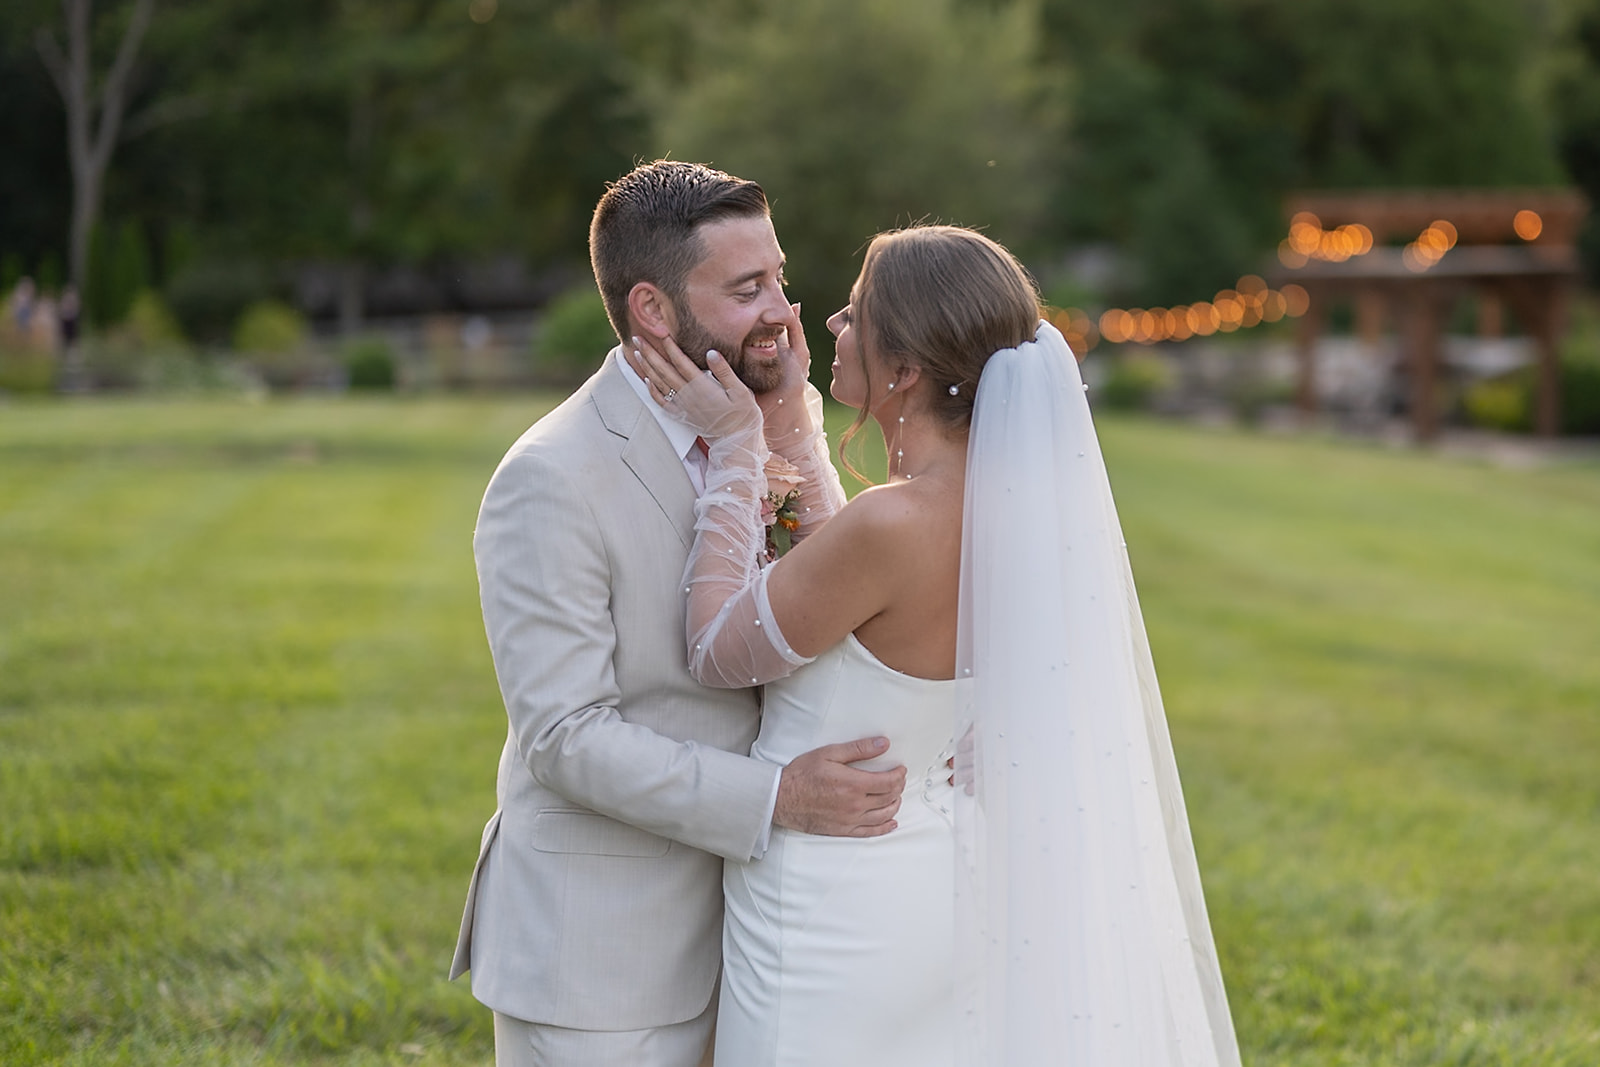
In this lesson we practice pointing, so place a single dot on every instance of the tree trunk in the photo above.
(91, 137)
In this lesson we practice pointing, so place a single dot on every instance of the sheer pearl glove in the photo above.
(733, 639)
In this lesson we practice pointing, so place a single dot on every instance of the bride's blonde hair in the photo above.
(943, 299)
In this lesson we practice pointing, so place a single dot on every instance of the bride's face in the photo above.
(849, 372)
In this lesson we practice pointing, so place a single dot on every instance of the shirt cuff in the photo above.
(765, 839)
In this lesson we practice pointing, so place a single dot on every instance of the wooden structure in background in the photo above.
(1532, 275)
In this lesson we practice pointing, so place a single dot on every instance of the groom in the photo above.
(593, 920)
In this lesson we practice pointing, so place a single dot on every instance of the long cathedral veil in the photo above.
(1082, 936)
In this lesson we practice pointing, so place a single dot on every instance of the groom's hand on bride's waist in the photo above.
(821, 793)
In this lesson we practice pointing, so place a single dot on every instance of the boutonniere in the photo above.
(780, 506)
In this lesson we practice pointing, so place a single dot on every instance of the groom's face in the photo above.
(734, 301)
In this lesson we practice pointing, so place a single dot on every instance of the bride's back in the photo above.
(915, 633)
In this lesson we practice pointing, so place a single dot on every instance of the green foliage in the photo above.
(1580, 397)
(119, 270)
(369, 364)
(26, 370)
(209, 295)
(1193, 118)
(373, 134)
(270, 326)
(1575, 102)
(250, 726)
(1132, 381)
(1508, 402)
(274, 337)
(1499, 404)
(150, 321)
(572, 337)
(889, 111)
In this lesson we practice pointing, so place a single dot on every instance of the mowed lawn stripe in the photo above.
(248, 727)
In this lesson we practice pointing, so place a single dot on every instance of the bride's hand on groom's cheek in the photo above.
(821, 793)
(715, 403)
(796, 356)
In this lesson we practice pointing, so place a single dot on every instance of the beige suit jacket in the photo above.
(596, 903)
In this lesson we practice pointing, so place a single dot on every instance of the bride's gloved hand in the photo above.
(717, 404)
(733, 641)
(792, 420)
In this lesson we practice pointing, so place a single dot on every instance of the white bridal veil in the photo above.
(1082, 933)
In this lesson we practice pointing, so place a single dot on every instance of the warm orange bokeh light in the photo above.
(1296, 300)
(1251, 304)
(1528, 225)
(1273, 306)
(1290, 256)
(1147, 329)
(1112, 328)
(1308, 240)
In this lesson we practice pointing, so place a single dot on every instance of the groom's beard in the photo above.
(761, 375)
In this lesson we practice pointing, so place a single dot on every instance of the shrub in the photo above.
(369, 364)
(574, 336)
(1499, 404)
(1508, 403)
(151, 323)
(209, 297)
(26, 370)
(1132, 381)
(273, 336)
(1580, 396)
(269, 326)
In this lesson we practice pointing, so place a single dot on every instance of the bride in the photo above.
(1045, 908)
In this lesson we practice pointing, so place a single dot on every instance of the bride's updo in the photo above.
(944, 299)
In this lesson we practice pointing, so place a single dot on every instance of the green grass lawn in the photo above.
(248, 731)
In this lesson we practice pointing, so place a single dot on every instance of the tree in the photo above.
(860, 115)
(1575, 94)
(1196, 117)
(94, 113)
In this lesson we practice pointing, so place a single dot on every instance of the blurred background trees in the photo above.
(305, 151)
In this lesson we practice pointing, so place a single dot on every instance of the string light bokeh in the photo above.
(1251, 301)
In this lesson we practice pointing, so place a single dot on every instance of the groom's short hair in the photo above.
(644, 228)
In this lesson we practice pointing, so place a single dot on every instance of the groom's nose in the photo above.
(774, 306)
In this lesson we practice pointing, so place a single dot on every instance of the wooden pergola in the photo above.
(1498, 251)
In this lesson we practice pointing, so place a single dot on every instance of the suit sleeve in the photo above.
(545, 583)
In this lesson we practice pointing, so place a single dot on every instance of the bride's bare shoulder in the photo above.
(886, 505)
(894, 515)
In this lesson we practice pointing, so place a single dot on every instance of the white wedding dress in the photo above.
(840, 951)
(1061, 920)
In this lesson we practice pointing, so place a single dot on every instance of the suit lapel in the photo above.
(645, 449)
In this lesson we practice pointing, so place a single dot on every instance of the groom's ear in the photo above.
(651, 311)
